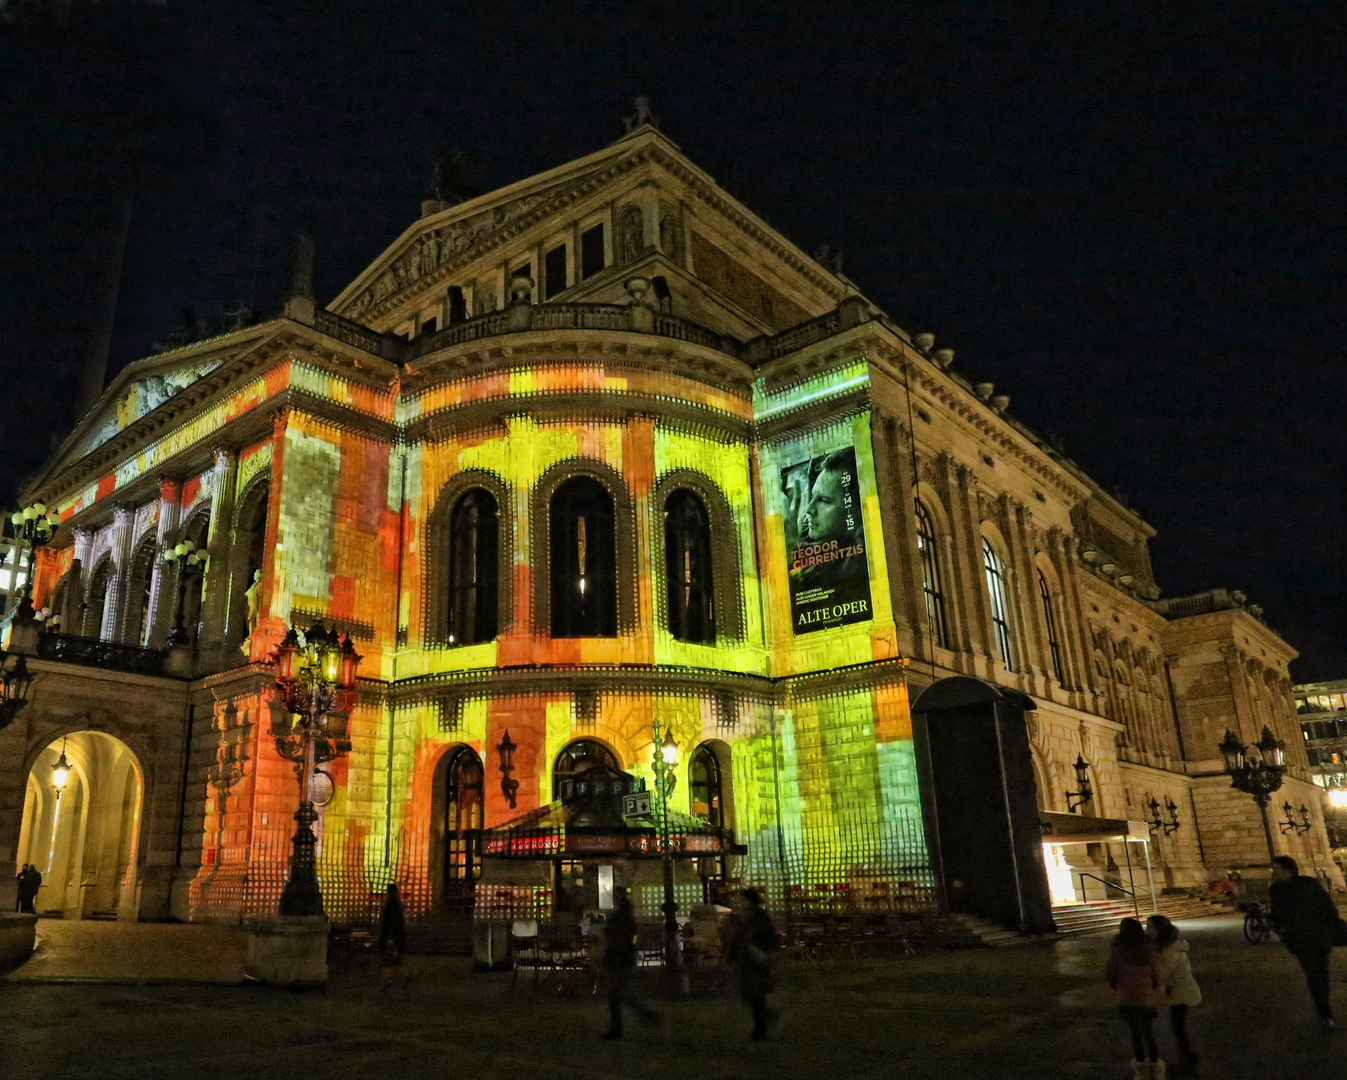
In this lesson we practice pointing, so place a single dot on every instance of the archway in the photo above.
(85, 843)
(456, 829)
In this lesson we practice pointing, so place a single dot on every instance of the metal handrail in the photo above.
(1110, 884)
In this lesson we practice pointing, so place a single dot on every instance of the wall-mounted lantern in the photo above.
(509, 786)
(1084, 792)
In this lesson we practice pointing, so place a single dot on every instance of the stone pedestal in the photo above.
(290, 951)
(17, 935)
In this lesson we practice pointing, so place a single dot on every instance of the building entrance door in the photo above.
(464, 790)
(980, 801)
(81, 827)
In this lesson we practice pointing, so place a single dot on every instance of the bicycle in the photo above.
(1258, 926)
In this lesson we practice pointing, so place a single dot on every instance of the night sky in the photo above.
(1131, 223)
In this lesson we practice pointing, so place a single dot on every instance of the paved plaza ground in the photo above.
(1029, 1011)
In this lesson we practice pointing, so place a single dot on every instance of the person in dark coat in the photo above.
(30, 882)
(1306, 919)
(392, 934)
(753, 951)
(619, 965)
(20, 883)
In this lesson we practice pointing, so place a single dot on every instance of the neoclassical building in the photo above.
(595, 449)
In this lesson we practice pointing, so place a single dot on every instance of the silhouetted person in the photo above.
(20, 881)
(1178, 988)
(1132, 974)
(619, 964)
(30, 881)
(753, 951)
(392, 934)
(1306, 919)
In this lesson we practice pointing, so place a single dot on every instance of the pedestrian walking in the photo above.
(1308, 922)
(619, 966)
(1132, 974)
(1178, 989)
(392, 935)
(20, 883)
(753, 950)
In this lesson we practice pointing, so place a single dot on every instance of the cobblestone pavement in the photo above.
(1032, 1011)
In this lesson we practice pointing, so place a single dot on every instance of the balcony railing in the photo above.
(103, 654)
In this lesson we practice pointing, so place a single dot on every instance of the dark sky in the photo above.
(1131, 222)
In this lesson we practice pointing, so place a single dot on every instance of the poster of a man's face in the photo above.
(825, 542)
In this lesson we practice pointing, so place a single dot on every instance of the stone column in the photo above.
(967, 560)
(1245, 719)
(1024, 591)
(1069, 631)
(219, 546)
(72, 615)
(114, 607)
(894, 485)
(1070, 570)
(164, 576)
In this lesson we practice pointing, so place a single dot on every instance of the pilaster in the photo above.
(163, 575)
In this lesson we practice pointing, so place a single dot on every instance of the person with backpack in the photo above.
(1131, 973)
(1178, 989)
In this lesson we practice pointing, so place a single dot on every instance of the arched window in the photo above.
(463, 817)
(583, 558)
(930, 577)
(996, 589)
(1050, 622)
(581, 756)
(706, 793)
(474, 543)
(687, 555)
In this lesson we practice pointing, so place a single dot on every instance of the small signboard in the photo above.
(637, 805)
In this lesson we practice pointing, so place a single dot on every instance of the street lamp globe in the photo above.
(668, 750)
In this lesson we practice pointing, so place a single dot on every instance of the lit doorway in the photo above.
(458, 805)
(84, 843)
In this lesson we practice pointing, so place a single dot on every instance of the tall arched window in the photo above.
(474, 543)
(996, 589)
(706, 793)
(930, 577)
(687, 556)
(581, 756)
(463, 817)
(583, 556)
(1050, 621)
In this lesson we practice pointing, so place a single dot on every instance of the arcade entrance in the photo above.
(81, 827)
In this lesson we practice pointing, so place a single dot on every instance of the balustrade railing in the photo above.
(104, 654)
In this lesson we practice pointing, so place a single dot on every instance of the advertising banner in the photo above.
(825, 542)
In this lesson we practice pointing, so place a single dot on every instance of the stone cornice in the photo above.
(278, 346)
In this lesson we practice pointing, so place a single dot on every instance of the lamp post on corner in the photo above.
(34, 528)
(315, 676)
(1256, 770)
(665, 761)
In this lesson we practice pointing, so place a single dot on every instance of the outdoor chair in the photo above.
(526, 951)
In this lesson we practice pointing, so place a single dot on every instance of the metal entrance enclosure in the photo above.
(1062, 829)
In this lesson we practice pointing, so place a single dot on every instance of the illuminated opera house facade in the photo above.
(598, 449)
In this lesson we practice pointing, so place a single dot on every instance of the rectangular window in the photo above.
(428, 324)
(591, 251)
(458, 308)
(554, 272)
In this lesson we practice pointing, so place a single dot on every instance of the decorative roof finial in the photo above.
(643, 115)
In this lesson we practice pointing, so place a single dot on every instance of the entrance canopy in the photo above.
(1061, 828)
(588, 822)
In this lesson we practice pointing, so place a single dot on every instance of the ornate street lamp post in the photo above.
(665, 760)
(1256, 770)
(315, 676)
(186, 552)
(34, 527)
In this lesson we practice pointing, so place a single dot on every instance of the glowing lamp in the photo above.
(14, 683)
(17, 517)
(1337, 798)
(284, 658)
(38, 509)
(668, 749)
(350, 662)
(1272, 748)
(54, 520)
(60, 772)
(29, 512)
(1233, 751)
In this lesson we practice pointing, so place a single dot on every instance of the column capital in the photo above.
(170, 489)
(123, 513)
(224, 456)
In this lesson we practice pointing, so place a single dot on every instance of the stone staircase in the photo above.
(1097, 916)
(1082, 917)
